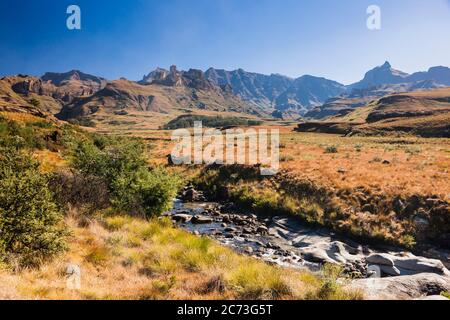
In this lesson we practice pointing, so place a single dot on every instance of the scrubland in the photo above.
(98, 206)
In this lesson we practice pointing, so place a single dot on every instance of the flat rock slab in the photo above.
(403, 287)
(408, 264)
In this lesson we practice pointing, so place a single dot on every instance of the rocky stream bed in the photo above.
(382, 272)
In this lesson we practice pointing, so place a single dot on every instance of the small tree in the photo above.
(31, 228)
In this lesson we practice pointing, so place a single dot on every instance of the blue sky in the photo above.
(293, 37)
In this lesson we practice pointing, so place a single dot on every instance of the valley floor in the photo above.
(391, 164)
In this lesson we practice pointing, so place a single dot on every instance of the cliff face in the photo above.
(193, 78)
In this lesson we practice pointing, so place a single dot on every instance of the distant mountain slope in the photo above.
(411, 105)
(13, 100)
(307, 92)
(379, 82)
(424, 113)
(259, 89)
(337, 106)
(50, 92)
(383, 74)
(276, 92)
(74, 75)
(123, 96)
(25, 93)
(386, 75)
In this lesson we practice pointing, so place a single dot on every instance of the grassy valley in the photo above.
(98, 203)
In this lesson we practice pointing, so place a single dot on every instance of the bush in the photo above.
(31, 229)
(15, 135)
(187, 121)
(83, 122)
(331, 149)
(86, 193)
(122, 165)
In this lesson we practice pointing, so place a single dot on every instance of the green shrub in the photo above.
(35, 102)
(121, 163)
(331, 149)
(83, 122)
(86, 193)
(31, 228)
(18, 136)
(187, 121)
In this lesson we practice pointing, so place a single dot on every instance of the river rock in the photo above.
(380, 259)
(390, 270)
(248, 250)
(181, 217)
(192, 195)
(317, 255)
(409, 264)
(262, 229)
(419, 264)
(270, 245)
(199, 219)
(403, 287)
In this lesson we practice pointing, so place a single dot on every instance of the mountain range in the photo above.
(75, 94)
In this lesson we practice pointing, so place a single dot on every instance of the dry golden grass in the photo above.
(49, 161)
(127, 258)
(416, 165)
(20, 117)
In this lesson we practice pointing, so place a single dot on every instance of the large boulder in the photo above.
(407, 264)
(192, 195)
(403, 287)
(380, 259)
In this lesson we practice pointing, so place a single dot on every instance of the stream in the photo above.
(287, 242)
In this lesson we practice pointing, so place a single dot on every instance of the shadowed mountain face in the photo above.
(439, 75)
(307, 92)
(386, 75)
(276, 92)
(59, 78)
(257, 88)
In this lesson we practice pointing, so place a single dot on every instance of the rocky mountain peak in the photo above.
(386, 65)
(380, 75)
(57, 78)
(193, 78)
